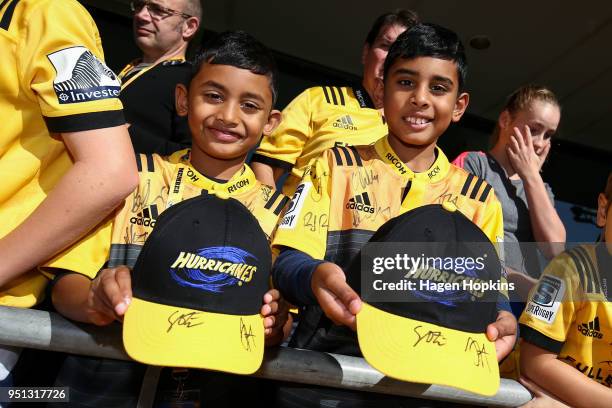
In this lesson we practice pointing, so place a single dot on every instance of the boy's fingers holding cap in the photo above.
(124, 280)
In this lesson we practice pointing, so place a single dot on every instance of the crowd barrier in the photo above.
(50, 331)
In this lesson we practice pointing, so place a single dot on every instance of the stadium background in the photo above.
(550, 42)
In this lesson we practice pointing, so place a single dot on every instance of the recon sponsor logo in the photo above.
(237, 185)
(539, 311)
(147, 217)
(241, 271)
(396, 162)
(192, 176)
(361, 202)
(179, 178)
(590, 329)
(345, 122)
(434, 172)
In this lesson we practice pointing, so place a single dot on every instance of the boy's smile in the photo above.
(228, 110)
(421, 99)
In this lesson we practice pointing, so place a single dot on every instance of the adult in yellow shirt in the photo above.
(65, 155)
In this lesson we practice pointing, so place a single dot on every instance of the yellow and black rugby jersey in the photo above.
(317, 119)
(167, 181)
(52, 80)
(569, 312)
(349, 192)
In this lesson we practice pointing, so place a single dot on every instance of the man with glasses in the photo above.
(162, 31)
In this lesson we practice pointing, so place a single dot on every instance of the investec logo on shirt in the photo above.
(81, 77)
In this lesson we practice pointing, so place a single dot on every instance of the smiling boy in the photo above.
(349, 192)
(229, 105)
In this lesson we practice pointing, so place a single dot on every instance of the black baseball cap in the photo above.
(198, 287)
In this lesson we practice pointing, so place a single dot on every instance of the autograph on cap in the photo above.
(247, 337)
(433, 337)
(481, 355)
(188, 320)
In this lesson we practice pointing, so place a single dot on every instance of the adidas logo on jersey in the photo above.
(345, 122)
(146, 217)
(590, 329)
(361, 202)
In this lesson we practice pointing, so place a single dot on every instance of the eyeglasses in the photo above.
(155, 10)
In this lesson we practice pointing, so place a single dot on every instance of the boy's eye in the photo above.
(438, 89)
(250, 106)
(405, 82)
(213, 97)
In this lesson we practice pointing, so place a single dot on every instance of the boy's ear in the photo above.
(602, 207)
(460, 106)
(181, 100)
(274, 119)
(504, 119)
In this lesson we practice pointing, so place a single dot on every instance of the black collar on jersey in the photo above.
(362, 96)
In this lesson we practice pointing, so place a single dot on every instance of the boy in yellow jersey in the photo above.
(349, 192)
(566, 328)
(229, 104)
(326, 116)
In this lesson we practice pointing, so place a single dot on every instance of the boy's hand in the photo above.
(110, 294)
(275, 312)
(337, 299)
(503, 333)
(523, 157)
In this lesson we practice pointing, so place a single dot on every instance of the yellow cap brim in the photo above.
(421, 352)
(172, 336)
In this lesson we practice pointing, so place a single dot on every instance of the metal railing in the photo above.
(50, 331)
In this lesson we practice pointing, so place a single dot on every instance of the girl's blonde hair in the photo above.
(522, 98)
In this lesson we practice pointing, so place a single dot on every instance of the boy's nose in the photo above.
(419, 97)
(228, 113)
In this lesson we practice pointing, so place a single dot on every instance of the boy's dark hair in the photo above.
(401, 17)
(429, 40)
(241, 50)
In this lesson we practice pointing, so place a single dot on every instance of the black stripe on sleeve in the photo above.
(5, 23)
(466, 186)
(356, 154)
(281, 205)
(139, 162)
(538, 339)
(85, 121)
(333, 95)
(150, 164)
(347, 154)
(595, 287)
(485, 193)
(341, 96)
(260, 158)
(326, 94)
(272, 200)
(581, 269)
(337, 155)
(476, 188)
